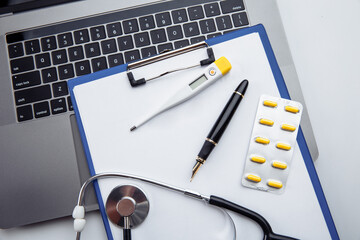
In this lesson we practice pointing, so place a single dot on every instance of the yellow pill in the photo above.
(278, 164)
(283, 146)
(288, 127)
(262, 140)
(265, 121)
(253, 178)
(291, 109)
(258, 159)
(275, 184)
(269, 103)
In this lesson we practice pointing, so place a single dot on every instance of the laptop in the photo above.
(44, 43)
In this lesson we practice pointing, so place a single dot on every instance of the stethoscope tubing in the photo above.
(212, 200)
(268, 233)
(135, 177)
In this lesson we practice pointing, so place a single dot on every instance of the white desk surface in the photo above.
(324, 38)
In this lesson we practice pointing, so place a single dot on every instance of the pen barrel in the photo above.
(205, 150)
(223, 120)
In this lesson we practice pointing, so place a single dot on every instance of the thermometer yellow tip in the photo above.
(223, 64)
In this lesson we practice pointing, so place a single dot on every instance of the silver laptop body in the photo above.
(42, 163)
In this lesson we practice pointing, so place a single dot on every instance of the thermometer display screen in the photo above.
(198, 82)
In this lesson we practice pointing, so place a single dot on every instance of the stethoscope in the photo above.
(121, 207)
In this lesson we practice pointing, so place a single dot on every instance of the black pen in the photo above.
(220, 125)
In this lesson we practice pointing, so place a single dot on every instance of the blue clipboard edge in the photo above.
(283, 93)
(71, 85)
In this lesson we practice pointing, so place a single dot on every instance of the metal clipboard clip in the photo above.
(136, 82)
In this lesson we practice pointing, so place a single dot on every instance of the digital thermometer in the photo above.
(212, 73)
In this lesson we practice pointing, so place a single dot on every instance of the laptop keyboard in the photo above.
(42, 60)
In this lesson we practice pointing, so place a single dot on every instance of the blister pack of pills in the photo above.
(272, 143)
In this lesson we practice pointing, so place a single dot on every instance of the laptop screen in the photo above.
(14, 6)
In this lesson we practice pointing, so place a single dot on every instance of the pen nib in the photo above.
(195, 170)
(132, 128)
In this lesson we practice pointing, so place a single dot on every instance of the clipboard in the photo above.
(106, 105)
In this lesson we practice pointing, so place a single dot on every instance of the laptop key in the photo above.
(58, 106)
(207, 26)
(22, 64)
(108, 46)
(165, 47)
(240, 19)
(195, 13)
(132, 56)
(181, 43)
(24, 113)
(125, 43)
(82, 68)
(48, 43)
(213, 35)
(142, 39)
(223, 23)
(41, 109)
(76, 53)
(174, 33)
(60, 89)
(158, 36)
(130, 26)
(97, 33)
(212, 9)
(92, 50)
(191, 29)
(116, 60)
(16, 50)
(65, 40)
(147, 22)
(113, 29)
(32, 95)
(148, 52)
(197, 39)
(32, 47)
(49, 75)
(70, 106)
(99, 64)
(81, 36)
(66, 71)
(231, 30)
(179, 16)
(163, 19)
(42, 60)
(232, 6)
(59, 57)
(25, 80)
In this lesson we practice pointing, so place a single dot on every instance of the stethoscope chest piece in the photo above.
(127, 206)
